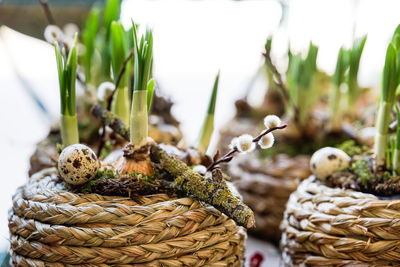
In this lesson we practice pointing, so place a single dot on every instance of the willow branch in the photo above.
(229, 156)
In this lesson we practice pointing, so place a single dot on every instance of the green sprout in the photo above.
(346, 73)
(142, 88)
(354, 57)
(301, 82)
(208, 124)
(66, 66)
(120, 104)
(388, 92)
(89, 35)
(338, 79)
(111, 13)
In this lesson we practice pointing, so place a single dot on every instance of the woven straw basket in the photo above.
(266, 187)
(326, 226)
(50, 226)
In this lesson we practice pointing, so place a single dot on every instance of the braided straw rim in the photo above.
(50, 226)
(326, 226)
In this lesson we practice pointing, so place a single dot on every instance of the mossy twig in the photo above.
(109, 119)
(215, 193)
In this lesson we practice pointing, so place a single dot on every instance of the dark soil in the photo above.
(360, 176)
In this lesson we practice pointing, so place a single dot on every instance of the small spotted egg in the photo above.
(77, 164)
(328, 160)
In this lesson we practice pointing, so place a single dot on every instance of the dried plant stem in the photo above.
(281, 85)
(211, 191)
(278, 77)
(49, 15)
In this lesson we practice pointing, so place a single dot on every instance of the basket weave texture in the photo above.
(326, 226)
(50, 226)
(266, 187)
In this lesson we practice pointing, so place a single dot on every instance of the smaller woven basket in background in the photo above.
(326, 226)
(50, 226)
(266, 187)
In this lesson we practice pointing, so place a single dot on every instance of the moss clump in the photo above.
(139, 176)
(89, 187)
(363, 171)
(108, 173)
(352, 149)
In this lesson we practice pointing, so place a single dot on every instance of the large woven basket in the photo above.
(326, 226)
(50, 226)
(266, 187)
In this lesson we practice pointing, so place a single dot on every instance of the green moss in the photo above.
(362, 170)
(387, 176)
(59, 148)
(89, 186)
(109, 173)
(146, 178)
(352, 149)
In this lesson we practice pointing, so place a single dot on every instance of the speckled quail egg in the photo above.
(77, 164)
(328, 160)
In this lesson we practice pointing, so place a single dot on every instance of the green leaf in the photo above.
(89, 34)
(111, 13)
(208, 124)
(143, 54)
(389, 81)
(148, 56)
(341, 67)
(268, 44)
(396, 32)
(150, 93)
(71, 80)
(355, 57)
(213, 98)
(60, 68)
(118, 49)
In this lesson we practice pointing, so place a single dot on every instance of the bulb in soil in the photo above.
(325, 161)
(77, 164)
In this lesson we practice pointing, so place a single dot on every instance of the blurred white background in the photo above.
(193, 40)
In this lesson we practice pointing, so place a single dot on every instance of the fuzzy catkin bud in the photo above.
(233, 143)
(105, 90)
(266, 141)
(70, 29)
(245, 143)
(53, 33)
(272, 121)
